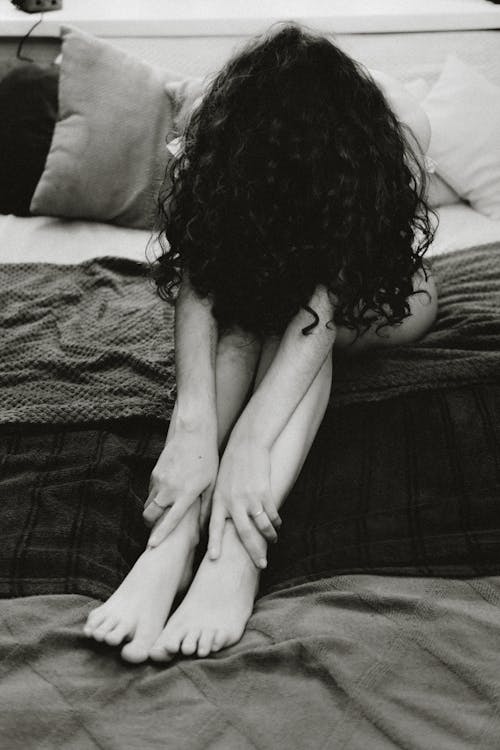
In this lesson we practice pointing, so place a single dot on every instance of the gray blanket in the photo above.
(94, 341)
(353, 662)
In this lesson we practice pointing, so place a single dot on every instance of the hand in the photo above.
(187, 468)
(243, 493)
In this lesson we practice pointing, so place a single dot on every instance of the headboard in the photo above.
(406, 55)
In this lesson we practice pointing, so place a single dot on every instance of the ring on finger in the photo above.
(259, 512)
(163, 507)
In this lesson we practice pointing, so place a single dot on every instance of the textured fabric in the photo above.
(83, 343)
(71, 502)
(406, 486)
(94, 341)
(107, 157)
(351, 662)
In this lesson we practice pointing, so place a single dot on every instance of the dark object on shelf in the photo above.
(37, 6)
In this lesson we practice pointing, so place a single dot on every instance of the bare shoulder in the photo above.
(423, 306)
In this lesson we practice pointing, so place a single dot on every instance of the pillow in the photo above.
(108, 156)
(184, 96)
(28, 103)
(405, 106)
(464, 111)
(439, 192)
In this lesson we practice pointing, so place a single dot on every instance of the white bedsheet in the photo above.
(460, 226)
(44, 239)
(50, 240)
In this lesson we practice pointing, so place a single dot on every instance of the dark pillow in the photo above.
(28, 107)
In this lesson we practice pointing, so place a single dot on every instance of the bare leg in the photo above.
(137, 611)
(215, 610)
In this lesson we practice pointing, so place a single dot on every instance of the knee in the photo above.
(239, 343)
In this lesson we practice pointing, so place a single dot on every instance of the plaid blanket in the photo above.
(93, 341)
(405, 486)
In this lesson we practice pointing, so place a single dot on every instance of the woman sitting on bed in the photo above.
(295, 224)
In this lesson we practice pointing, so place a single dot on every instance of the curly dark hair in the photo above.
(295, 172)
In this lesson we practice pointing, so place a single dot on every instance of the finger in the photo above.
(250, 538)
(272, 513)
(151, 496)
(269, 507)
(264, 525)
(155, 509)
(168, 522)
(216, 530)
(205, 505)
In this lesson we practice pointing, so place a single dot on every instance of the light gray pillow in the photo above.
(108, 156)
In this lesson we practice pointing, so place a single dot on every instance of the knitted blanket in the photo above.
(93, 341)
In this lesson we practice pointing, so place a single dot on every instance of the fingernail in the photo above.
(262, 562)
(153, 542)
(212, 553)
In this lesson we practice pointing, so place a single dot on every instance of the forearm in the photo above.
(423, 310)
(296, 364)
(195, 350)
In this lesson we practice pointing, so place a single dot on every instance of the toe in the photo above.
(205, 642)
(104, 628)
(159, 653)
(139, 647)
(169, 643)
(218, 640)
(95, 618)
(135, 652)
(115, 636)
(190, 643)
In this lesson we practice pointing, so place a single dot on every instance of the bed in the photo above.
(378, 619)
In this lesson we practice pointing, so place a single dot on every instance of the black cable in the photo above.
(21, 41)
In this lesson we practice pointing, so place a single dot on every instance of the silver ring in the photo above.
(163, 507)
(258, 513)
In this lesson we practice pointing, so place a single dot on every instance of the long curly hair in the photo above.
(295, 172)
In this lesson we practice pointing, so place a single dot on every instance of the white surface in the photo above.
(460, 227)
(228, 17)
(464, 112)
(41, 239)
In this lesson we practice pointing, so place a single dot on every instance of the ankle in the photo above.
(188, 528)
(233, 549)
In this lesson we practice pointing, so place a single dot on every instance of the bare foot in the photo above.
(218, 605)
(137, 611)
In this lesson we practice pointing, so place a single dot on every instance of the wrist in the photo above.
(247, 430)
(194, 415)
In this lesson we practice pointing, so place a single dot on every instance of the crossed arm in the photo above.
(297, 361)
